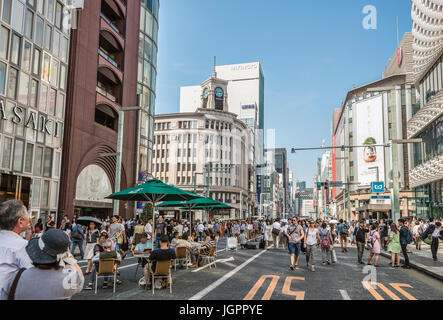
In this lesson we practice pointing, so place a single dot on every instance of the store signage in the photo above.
(380, 200)
(30, 119)
(377, 187)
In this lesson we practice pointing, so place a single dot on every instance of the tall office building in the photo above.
(34, 62)
(104, 77)
(375, 114)
(426, 120)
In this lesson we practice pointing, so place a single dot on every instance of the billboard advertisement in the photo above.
(368, 131)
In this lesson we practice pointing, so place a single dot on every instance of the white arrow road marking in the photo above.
(210, 264)
(208, 289)
(345, 295)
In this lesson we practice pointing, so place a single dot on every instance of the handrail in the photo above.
(109, 22)
(108, 58)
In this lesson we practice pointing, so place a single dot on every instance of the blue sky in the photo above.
(312, 53)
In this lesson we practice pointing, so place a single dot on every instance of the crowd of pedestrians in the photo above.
(46, 251)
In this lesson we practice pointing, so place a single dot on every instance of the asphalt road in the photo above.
(264, 275)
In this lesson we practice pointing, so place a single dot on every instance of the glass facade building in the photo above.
(34, 52)
(146, 82)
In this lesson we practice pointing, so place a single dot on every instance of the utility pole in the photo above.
(118, 154)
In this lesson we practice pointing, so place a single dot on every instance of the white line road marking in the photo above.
(208, 289)
(210, 264)
(345, 295)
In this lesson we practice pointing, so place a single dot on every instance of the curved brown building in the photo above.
(102, 78)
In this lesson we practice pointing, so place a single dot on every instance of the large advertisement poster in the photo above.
(369, 131)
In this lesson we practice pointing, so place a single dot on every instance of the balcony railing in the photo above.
(108, 58)
(110, 23)
(106, 94)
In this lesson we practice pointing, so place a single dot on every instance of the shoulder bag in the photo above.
(11, 295)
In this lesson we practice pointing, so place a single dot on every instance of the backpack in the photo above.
(76, 234)
(409, 237)
(325, 240)
(344, 231)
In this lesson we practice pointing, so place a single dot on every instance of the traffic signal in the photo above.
(327, 184)
(319, 184)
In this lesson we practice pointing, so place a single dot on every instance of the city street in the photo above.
(264, 275)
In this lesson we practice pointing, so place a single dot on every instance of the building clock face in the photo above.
(205, 93)
(219, 92)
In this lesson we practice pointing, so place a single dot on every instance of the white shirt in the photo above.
(436, 232)
(13, 257)
(148, 230)
(276, 225)
(201, 228)
(311, 237)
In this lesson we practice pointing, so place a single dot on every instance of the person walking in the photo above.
(394, 246)
(360, 239)
(326, 242)
(267, 233)
(405, 239)
(436, 235)
(312, 239)
(343, 232)
(77, 236)
(92, 235)
(295, 234)
(276, 226)
(374, 238)
(417, 231)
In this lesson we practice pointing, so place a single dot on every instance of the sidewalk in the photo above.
(422, 260)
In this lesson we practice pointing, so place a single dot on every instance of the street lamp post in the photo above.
(118, 154)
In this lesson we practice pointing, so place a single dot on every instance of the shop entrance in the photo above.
(15, 188)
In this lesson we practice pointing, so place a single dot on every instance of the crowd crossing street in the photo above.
(221, 159)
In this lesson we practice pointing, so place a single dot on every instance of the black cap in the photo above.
(144, 235)
(44, 250)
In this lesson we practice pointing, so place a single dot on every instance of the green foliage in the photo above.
(147, 212)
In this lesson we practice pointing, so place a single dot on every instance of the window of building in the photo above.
(48, 37)
(18, 16)
(36, 187)
(36, 62)
(12, 83)
(38, 32)
(47, 164)
(43, 97)
(52, 98)
(50, 10)
(15, 49)
(17, 164)
(29, 24)
(45, 193)
(29, 157)
(2, 77)
(60, 106)
(23, 91)
(58, 15)
(7, 6)
(4, 40)
(7, 152)
(38, 161)
(27, 51)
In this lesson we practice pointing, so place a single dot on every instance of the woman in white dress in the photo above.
(268, 235)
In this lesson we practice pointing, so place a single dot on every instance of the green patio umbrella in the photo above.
(211, 207)
(190, 204)
(153, 191)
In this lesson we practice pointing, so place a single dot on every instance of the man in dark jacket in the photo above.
(360, 239)
(404, 230)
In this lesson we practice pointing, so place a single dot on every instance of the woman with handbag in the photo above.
(326, 243)
(312, 239)
(374, 238)
(394, 246)
(268, 233)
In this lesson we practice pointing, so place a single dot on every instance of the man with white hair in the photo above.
(14, 219)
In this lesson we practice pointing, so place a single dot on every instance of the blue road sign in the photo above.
(377, 187)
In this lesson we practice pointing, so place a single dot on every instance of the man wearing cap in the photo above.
(14, 219)
(164, 253)
(55, 274)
